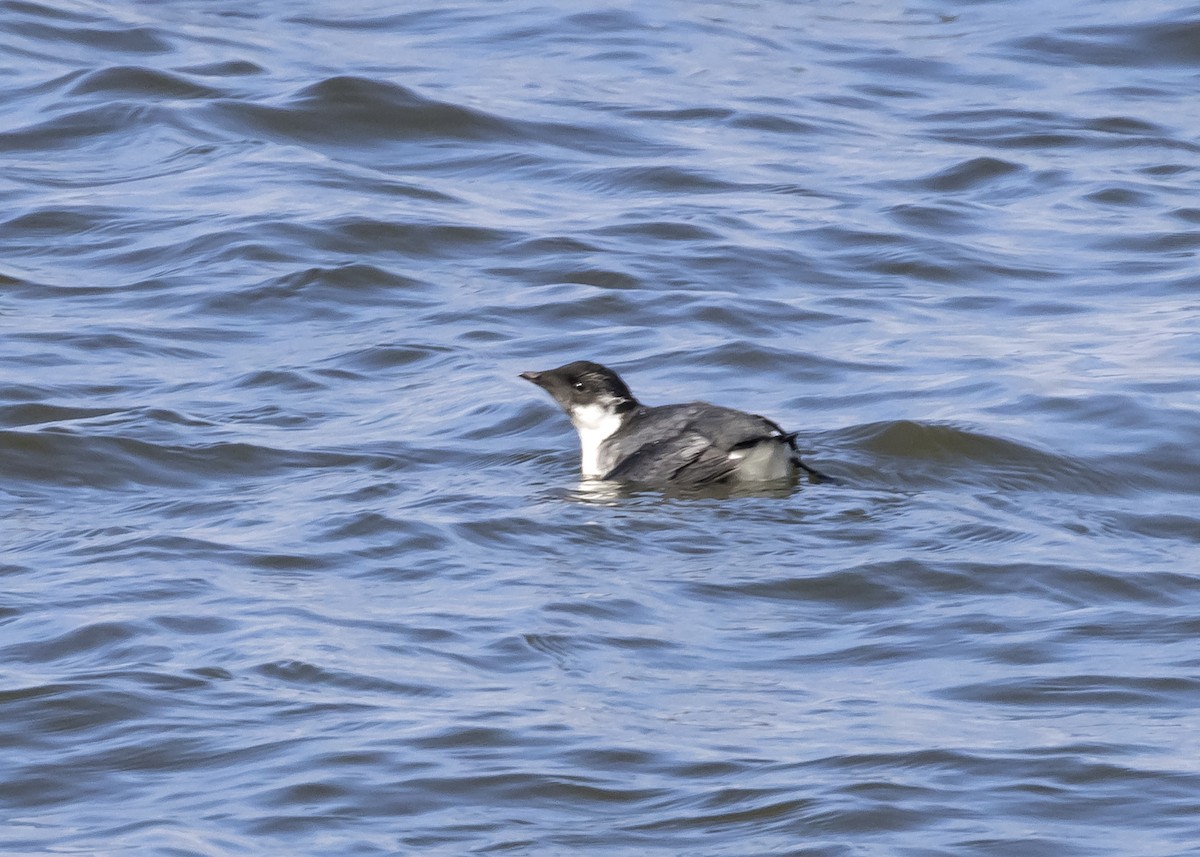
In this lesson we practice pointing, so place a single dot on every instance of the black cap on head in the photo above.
(584, 383)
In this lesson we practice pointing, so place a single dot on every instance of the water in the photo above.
(294, 563)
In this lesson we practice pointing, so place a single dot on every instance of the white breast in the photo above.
(595, 425)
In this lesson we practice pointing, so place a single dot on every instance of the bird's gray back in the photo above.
(725, 428)
(666, 432)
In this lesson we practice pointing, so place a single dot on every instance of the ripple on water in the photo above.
(927, 454)
(139, 81)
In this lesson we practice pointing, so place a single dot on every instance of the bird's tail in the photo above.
(814, 475)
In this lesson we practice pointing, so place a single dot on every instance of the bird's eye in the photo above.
(578, 385)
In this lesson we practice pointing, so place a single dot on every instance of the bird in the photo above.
(685, 445)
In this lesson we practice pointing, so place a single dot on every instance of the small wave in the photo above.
(929, 453)
(317, 292)
(137, 81)
(970, 174)
(69, 458)
(303, 674)
(651, 180)
(1082, 691)
(111, 122)
(1144, 44)
(90, 32)
(358, 111)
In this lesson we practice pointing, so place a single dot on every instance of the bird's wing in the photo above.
(686, 459)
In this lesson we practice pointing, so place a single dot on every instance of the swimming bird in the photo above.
(687, 445)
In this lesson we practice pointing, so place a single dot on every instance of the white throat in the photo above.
(595, 424)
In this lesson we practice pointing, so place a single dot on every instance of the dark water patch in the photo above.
(107, 124)
(231, 246)
(373, 523)
(393, 356)
(195, 624)
(744, 322)
(538, 789)
(105, 345)
(555, 245)
(405, 190)
(63, 710)
(930, 581)
(1166, 170)
(651, 180)
(307, 795)
(495, 421)
(891, 66)
(456, 739)
(356, 112)
(420, 548)
(1186, 242)
(1083, 691)
(265, 415)
(363, 105)
(946, 452)
(52, 222)
(121, 547)
(563, 647)
(301, 674)
(1188, 215)
(39, 413)
(850, 236)
(26, 7)
(970, 175)
(1083, 587)
(855, 589)
(101, 641)
(288, 562)
(365, 235)
(607, 21)
(1130, 626)
(1170, 526)
(1125, 125)
(1146, 44)
(660, 231)
(913, 264)
(687, 114)
(560, 279)
(494, 533)
(1043, 309)
(775, 124)
(941, 219)
(956, 537)
(739, 808)
(58, 457)
(308, 293)
(466, 162)
(619, 609)
(1009, 128)
(607, 295)
(1120, 414)
(281, 379)
(224, 68)
(91, 32)
(725, 363)
(417, 21)
(135, 81)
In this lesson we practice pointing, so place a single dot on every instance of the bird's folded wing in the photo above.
(686, 459)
